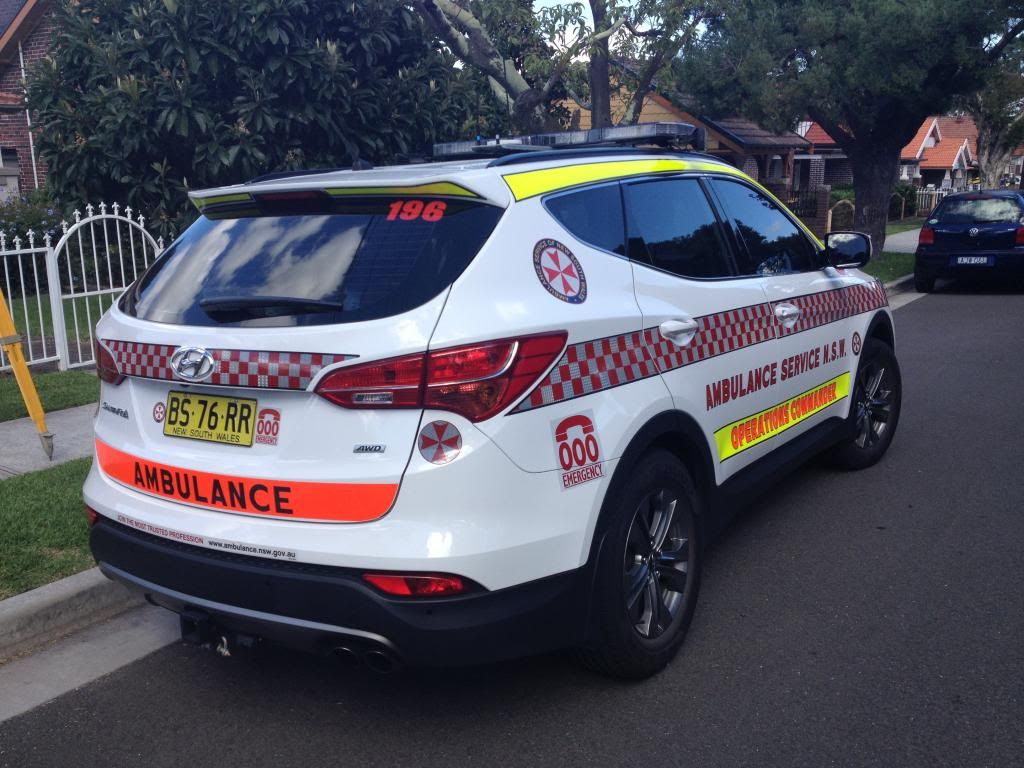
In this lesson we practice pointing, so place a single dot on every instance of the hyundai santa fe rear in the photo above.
(456, 412)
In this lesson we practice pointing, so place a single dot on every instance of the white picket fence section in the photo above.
(57, 292)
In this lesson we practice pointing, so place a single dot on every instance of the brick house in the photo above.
(25, 33)
(823, 163)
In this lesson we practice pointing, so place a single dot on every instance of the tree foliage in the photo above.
(998, 111)
(869, 71)
(645, 34)
(142, 100)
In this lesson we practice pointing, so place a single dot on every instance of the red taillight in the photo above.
(106, 366)
(476, 381)
(927, 236)
(91, 516)
(1019, 240)
(394, 383)
(416, 586)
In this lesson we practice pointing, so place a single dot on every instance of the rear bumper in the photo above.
(318, 608)
(944, 263)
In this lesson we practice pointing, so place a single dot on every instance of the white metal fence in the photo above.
(57, 292)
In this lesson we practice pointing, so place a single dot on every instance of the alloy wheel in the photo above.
(656, 563)
(874, 404)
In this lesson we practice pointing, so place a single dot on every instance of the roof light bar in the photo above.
(662, 134)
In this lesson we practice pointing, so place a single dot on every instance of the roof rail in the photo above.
(562, 154)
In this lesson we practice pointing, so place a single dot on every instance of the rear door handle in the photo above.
(788, 314)
(680, 331)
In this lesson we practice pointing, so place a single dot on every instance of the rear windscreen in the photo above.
(315, 263)
(977, 210)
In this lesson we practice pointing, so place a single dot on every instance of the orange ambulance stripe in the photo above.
(278, 499)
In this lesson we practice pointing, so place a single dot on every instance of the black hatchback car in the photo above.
(972, 235)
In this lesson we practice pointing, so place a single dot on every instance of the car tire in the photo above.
(874, 408)
(648, 572)
(923, 283)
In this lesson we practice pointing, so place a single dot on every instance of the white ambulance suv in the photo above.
(454, 412)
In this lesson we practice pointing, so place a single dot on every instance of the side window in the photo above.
(774, 243)
(593, 215)
(671, 225)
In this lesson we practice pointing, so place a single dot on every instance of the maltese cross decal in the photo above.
(440, 442)
(559, 271)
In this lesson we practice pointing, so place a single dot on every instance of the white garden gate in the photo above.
(57, 303)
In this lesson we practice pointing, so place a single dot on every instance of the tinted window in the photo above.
(348, 260)
(671, 225)
(593, 215)
(774, 244)
(977, 210)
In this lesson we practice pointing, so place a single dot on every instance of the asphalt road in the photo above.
(856, 619)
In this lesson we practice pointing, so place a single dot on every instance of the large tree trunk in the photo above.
(600, 86)
(994, 155)
(874, 176)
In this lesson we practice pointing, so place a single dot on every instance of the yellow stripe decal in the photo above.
(442, 188)
(238, 197)
(532, 183)
(749, 431)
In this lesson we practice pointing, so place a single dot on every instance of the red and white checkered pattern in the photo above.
(592, 366)
(232, 367)
(817, 309)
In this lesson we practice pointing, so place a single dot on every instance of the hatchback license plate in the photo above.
(973, 260)
(229, 420)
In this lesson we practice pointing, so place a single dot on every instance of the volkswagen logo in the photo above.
(973, 231)
(192, 363)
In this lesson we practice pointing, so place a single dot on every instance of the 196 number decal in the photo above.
(411, 210)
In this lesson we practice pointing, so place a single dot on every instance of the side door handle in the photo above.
(680, 331)
(787, 313)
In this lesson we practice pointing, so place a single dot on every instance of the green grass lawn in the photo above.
(903, 226)
(57, 390)
(43, 533)
(890, 265)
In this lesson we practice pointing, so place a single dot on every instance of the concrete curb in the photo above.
(55, 609)
(900, 284)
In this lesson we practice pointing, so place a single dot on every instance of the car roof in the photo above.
(986, 192)
(487, 178)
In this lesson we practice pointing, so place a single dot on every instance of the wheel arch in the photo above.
(881, 328)
(678, 433)
(675, 432)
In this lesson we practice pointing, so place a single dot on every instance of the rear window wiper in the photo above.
(244, 307)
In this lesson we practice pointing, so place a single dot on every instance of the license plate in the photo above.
(229, 420)
(974, 260)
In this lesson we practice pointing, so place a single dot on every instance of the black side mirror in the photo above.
(847, 250)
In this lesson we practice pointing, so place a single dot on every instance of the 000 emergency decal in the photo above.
(579, 453)
(281, 499)
(749, 431)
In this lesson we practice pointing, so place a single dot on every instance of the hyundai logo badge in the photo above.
(192, 363)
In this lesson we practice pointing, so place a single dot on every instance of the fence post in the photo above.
(60, 333)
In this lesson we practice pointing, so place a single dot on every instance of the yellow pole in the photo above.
(10, 341)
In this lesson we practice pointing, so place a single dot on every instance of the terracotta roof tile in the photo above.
(910, 151)
(943, 154)
(819, 137)
(960, 128)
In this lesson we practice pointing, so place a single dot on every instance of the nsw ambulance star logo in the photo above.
(440, 442)
(559, 271)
